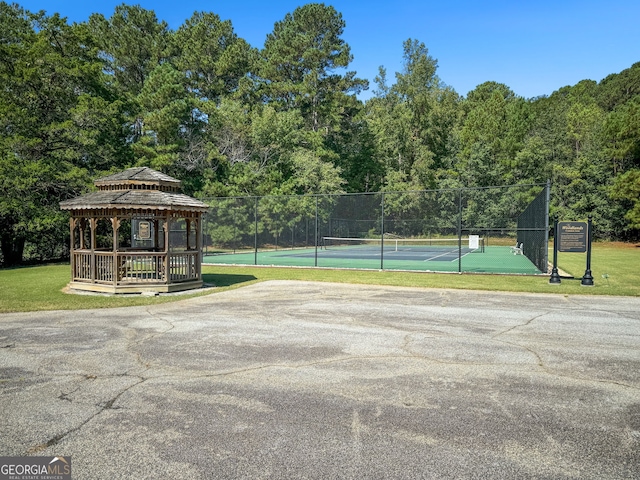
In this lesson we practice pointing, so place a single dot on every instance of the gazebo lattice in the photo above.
(137, 233)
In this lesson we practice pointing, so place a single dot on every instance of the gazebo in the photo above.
(136, 234)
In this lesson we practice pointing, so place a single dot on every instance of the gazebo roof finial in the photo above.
(138, 175)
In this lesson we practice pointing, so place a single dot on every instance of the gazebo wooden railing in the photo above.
(135, 267)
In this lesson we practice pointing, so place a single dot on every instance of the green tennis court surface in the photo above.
(493, 259)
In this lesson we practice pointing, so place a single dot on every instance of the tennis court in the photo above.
(429, 230)
(435, 255)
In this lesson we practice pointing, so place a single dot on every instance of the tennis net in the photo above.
(470, 244)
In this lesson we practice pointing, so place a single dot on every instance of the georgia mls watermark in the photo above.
(35, 468)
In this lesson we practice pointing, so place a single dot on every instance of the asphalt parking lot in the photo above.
(316, 380)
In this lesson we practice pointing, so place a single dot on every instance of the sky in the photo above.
(534, 47)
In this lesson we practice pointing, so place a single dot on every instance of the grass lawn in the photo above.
(40, 288)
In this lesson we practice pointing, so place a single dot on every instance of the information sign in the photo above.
(144, 230)
(572, 237)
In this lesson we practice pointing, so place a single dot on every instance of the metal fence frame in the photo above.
(254, 221)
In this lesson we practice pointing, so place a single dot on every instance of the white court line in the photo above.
(463, 255)
(448, 253)
(441, 255)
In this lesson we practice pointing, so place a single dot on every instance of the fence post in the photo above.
(236, 236)
(316, 233)
(460, 231)
(546, 224)
(555, 277)
(255, 235)
(382, 233)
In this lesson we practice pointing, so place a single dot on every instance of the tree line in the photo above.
(82, 100)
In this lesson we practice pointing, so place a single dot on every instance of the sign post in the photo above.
(587, 278)
(572, 237)
(555, 278)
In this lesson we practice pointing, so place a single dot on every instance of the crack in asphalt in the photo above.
(137, 342)
(551, 372)
(520, 325)
(541, 362)
(106, 406)
(109, 405)
(600, 310)
(404, 347)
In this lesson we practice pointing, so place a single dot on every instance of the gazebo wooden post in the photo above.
(93, 221)
(79, 237)
(166, 259)
(188, 227)
(115, 225)
(199, 245)
(73, 221)
(156, 234)
(156, 247)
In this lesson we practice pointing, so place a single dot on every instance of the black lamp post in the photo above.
(555, 277)
(587, 278)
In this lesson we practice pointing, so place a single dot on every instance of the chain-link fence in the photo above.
(495, 229)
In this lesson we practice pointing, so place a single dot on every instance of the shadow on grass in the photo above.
(226, 280)
(34, 263)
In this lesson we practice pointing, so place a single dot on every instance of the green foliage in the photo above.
(171, 126)
(299, 64)
(211, 55)
(51, 96)
(619, 88)
(627, 187)
(132, 43)
(202, 105)
(236, 216)
(312, 175)
(412, 121)
(621, 136)
(493, 129)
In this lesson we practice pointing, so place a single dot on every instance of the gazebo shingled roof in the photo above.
(127, 196)
(133, 199)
